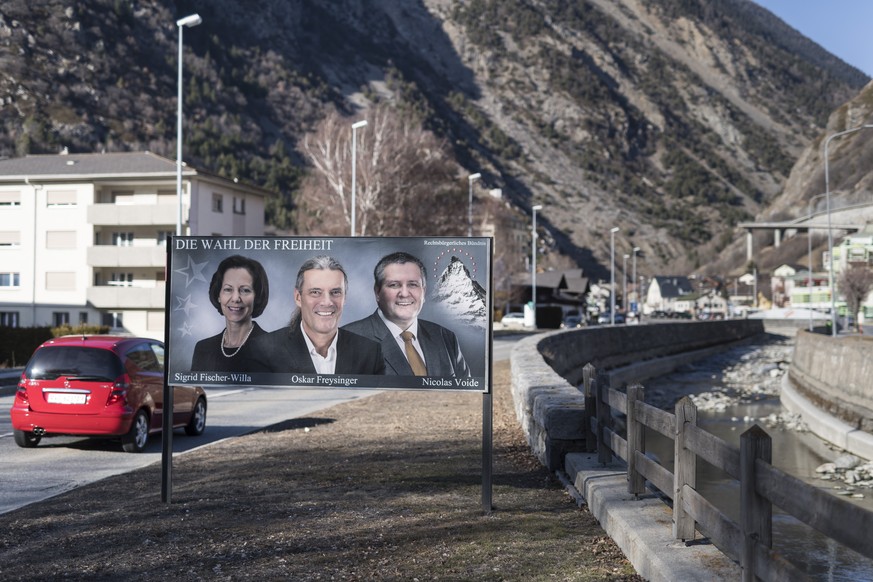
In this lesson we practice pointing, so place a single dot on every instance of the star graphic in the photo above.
(184, 304)
(196, 270)
(185, 329)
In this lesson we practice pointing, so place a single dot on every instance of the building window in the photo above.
(9, 318)
(11, 238)
(122, 239)
(239, 205)
(83, 317)
(10, 198)
(60, 318)
(155, 320)
(217, 203)
(60, 281)
(60, 239)
(164, 236)
(10, 280)
(119, 279)
(60, 198)
(113, 319)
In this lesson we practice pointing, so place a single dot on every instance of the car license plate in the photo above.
(63, 398)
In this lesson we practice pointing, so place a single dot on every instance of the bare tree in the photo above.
(407, 181)
(855, 284)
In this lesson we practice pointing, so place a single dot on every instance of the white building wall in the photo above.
(76, 279)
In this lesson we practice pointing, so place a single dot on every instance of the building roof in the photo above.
(673, 286)
(66, 166)
(111, 166)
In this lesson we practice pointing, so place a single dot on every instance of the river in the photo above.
(734, 391)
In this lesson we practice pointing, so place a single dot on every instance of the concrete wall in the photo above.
(547, 368)
(836, 374)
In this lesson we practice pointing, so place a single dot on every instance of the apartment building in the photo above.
(83, 236)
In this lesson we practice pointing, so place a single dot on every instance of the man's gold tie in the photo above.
(418, 367)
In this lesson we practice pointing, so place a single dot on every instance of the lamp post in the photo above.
(612, 232)
(471, 178)
(830, 233)
(809, 255)
(624, 283)
(533, 263)
(634, 280)
(355, 127)
(189, 21)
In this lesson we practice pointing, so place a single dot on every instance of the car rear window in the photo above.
(51, 362)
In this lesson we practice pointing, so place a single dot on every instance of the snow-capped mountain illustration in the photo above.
(460, 295)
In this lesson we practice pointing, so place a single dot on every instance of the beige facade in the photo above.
(83, 236)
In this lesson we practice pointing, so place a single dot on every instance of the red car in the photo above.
(100, 385)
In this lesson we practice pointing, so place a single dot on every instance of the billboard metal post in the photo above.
(487, 451)
(167, 420)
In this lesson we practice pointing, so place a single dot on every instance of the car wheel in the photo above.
(26, 439)
(136, 438)
(197, 424)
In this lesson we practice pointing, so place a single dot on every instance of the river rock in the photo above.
(847, 461)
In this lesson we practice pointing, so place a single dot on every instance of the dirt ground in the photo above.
(384, 488)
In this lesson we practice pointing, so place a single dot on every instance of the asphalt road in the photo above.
(60, 464)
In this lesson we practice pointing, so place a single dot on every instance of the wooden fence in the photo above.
(749, 542)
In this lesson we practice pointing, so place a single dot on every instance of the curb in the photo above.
(642, 526)
(825, 426)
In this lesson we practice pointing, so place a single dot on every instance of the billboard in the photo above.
(310, 312)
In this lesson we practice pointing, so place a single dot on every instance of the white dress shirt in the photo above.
(323, 365)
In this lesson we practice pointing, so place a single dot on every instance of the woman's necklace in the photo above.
(239, 347)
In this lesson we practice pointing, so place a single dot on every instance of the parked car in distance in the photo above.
(572, 322)
(513, 320)
(101, 386)
(604, 318)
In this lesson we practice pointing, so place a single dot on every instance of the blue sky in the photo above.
(842, 27)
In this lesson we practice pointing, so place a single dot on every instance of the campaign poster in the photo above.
(236, 317)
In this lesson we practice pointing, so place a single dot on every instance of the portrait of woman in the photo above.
(239, 291)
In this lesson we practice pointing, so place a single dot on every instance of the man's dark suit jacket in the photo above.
(285, 350)
(442, 353)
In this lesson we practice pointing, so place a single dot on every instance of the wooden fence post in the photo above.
(756, 513)
(636, 440)
(589, 373)
(604, 413)
(684, 469)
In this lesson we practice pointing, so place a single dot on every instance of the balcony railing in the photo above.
(127, 257)
(117, 297)
(134, 214)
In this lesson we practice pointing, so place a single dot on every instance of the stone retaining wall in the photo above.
(836, 374)
(547, 368)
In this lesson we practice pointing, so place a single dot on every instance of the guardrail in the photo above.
(749, 542)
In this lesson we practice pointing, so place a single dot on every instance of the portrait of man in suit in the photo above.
(410, 346)
(312, 342)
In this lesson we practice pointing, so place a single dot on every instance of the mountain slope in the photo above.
(672, 119)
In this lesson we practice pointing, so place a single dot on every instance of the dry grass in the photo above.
(385, 488)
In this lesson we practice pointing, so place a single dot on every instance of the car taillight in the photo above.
(21, 393)
(119, 392)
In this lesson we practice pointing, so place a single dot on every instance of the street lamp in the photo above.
(189, 21)
(624, 284)
(831, 234)
(634, 280)
(809, 254)
(472, 178)
(612, 232)
(533, 263)
(355, 127)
